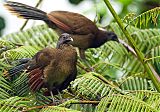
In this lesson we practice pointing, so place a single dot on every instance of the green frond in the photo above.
(81, 105)
(116, 29)
(123, 103)
(135, 83)
(20, 85)
(39, 35)
(147, 39)
(150, 97)
(57, 109)
(113, 58)
(129, 17)
(154, 58)
(4, 42)
(143, 19)
(21, 52)
(91, 87)
(14, 104)
(5, 88)
(40, 99)
(6, 45)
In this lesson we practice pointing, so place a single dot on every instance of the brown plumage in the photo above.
(53, 68)
(83, 31)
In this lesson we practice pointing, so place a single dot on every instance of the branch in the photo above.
(140, 56)
(83, 67)
(73, 102)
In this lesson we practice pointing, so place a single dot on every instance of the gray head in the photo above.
(64, 39)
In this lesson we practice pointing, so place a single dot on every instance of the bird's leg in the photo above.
(52, 96)
(59, 94)
(82, 55)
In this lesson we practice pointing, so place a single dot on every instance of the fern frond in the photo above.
(57, 109)
(135, 83)
(143, 19)
(91, 87)
(5, 88)
(39, 35)
(21, 52)
(121, 103)
(14, 104)
(150, 97)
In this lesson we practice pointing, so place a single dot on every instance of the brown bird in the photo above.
(53, 68)
(83, 31)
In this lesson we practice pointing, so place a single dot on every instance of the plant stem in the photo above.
(140, 56)
(26, 21)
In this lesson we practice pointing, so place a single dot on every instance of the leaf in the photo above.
(121, 103)
(57, 109)
(143, 19)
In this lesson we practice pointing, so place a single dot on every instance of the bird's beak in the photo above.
(117, 40)
(69, 39)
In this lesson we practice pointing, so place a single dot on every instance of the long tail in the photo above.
(25, 11)
(19, 68)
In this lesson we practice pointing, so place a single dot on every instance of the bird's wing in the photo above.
(72, 22)
(42, 59)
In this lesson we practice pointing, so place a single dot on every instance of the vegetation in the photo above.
(118, 82)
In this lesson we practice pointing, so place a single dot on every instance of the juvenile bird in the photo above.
(53, 68)
(83, 31)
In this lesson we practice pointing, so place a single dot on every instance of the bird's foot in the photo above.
(91, 69)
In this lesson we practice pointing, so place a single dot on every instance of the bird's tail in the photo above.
(18, 68)
(25, 11)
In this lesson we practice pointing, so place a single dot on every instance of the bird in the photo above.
(84, 32)
(51, 68)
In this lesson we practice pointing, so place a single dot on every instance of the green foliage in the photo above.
(121, 103)
(144, 19)
(117, 82)
(14, 104)
(57, 109)
(2, 25)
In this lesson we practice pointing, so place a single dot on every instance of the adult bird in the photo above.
(83, 31)
(53, 68)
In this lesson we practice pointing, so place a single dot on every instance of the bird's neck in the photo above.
(100, 38)
(63, 46)
(66, 47)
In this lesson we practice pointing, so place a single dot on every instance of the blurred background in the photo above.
(93, 9)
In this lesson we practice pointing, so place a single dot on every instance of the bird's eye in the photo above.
(64, 37)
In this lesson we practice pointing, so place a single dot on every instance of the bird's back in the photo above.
(73, 22)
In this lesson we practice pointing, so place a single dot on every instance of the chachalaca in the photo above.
(53, 68)
(83, 31)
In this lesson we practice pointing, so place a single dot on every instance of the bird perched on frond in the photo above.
(83, 31)
(53, 68)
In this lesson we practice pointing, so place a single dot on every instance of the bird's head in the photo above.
(111, 36)
(104, 36)
(64, 39)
